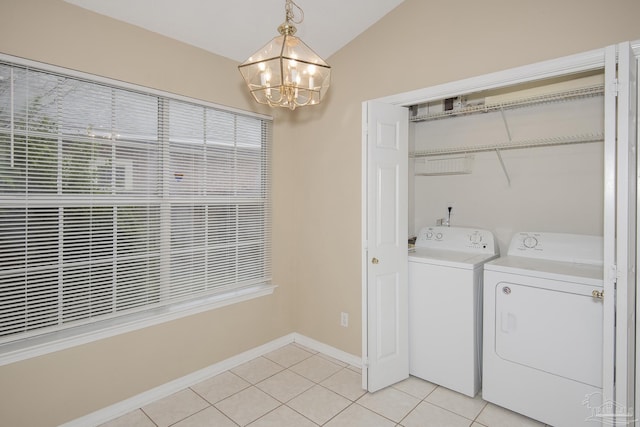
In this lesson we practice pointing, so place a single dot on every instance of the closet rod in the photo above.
(585, 92)
(542, 142)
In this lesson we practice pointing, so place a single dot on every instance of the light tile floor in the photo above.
(298, 387)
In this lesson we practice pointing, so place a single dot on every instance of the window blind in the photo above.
(114, 201)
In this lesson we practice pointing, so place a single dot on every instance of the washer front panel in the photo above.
(445, 314)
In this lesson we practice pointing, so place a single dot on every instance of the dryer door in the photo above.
(553, 329)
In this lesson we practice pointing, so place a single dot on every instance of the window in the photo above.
(115, 201)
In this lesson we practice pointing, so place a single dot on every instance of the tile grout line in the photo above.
(284, 368)
(299, 413)
(473, 420)
(212, 405)
(455, 413)
(339, 412)
(147, 415)
(342, 368)
(314, 384)
(408, 413)
(412, 409)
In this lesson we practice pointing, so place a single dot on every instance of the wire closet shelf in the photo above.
(586, 92)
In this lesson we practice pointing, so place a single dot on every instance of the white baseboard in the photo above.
(328, 350)
(121, 408)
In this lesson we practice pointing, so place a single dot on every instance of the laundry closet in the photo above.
(527, 157)
(549, 148)
(521, 340)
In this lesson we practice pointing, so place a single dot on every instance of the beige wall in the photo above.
(317, 171)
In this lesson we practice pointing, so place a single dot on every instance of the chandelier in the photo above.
(286, 72)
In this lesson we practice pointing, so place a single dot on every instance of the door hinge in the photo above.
(613, 274)
(613, 87)
(365, 361)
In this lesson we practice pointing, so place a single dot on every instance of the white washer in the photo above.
(445, 305)
(543, 328)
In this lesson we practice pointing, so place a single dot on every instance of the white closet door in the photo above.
(387, 348)
(610, 124)
(637, 259)
(626, 227)
(620, 231)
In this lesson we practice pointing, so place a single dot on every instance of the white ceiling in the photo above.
(237, 28)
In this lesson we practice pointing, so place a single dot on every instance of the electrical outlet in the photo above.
(344, 319)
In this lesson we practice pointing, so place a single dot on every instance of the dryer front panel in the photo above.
(553, 328)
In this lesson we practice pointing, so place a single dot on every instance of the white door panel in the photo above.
(386, 345)
(388, 308)
(387, 233)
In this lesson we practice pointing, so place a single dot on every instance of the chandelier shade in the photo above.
(286, 72)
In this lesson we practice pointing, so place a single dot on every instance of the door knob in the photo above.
(374, 261)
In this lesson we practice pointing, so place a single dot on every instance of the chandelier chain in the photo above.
(290, 16)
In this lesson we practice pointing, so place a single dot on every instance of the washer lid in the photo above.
(587, 274)
(455, 259)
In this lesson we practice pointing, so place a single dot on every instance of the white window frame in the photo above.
(38, 345)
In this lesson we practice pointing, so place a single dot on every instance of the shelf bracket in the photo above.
(504, 169)
(506, 126)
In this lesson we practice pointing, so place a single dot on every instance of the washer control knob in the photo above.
(530, 242)
(429, 234)
(475, 238)
(439, 236)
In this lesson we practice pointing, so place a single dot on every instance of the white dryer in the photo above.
(445, 305)
(543, 328)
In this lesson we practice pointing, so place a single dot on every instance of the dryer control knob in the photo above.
(530, 242)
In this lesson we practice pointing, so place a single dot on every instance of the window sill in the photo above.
(55, 341)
